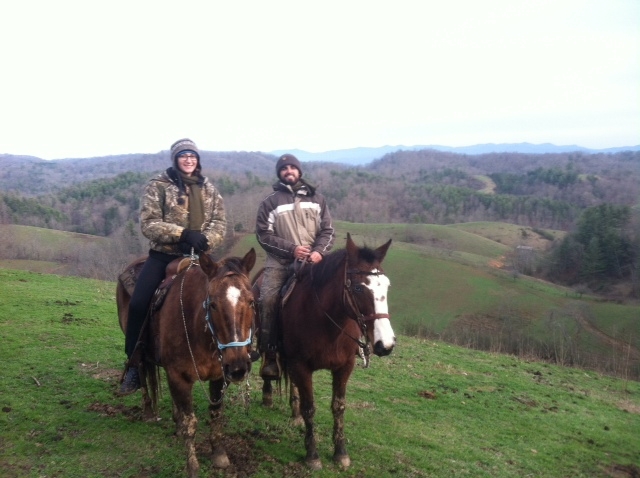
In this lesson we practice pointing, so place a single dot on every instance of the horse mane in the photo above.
(231, 265)
(327, 269)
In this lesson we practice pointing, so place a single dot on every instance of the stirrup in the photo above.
(270, 368)
(130, 383)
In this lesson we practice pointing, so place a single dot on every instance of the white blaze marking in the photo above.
(382, 331)
(233, 296)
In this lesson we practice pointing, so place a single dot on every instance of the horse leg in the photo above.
(294, 402)
(185, 418)
(303, 380)
(338, 405)
(267, 393)
(217, 422)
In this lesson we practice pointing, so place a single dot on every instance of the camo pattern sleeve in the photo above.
(163, 218)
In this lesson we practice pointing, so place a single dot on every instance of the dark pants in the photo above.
(151, 275)
(273, 279)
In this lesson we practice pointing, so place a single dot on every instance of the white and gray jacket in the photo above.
(288, 218)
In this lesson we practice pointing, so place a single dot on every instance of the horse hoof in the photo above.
(314, 464)
(267, 402)
(221, 460)
(192, 468)
(297, 421)
(342, 460)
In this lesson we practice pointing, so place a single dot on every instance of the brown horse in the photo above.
(335, 305)
(202, 332)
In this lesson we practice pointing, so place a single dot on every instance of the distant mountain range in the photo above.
(359, 156)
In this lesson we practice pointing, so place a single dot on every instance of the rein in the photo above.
(360, 318)
(193, 262)
(221, 346)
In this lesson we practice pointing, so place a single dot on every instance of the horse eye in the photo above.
(357, 288)
(213, 305)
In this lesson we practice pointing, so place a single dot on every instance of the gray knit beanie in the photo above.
(182, 145)
(287, 160)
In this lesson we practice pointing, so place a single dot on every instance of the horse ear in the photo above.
(382, 250)
(208, 266)
(351, 246)
(249, 260)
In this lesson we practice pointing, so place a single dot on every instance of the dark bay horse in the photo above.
(202, 332)
(334, 304)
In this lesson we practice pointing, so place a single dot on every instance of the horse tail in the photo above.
(150, 379)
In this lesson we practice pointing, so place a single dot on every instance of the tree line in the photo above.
(592, 196)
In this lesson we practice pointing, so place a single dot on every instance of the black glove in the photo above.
(194, 239)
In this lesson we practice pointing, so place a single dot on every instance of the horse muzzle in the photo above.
(381, 350)
(237, 369)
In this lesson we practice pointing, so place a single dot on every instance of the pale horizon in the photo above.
(84, 79)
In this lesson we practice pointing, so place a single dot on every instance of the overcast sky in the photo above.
(87, 78)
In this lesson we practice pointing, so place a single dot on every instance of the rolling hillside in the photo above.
(428, 410)
(455, 287)
(452, 283)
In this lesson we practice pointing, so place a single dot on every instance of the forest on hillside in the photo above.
(100, 196)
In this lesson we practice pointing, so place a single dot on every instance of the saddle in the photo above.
(294, 271)
(130, 275)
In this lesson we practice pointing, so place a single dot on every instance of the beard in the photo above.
(290, 179)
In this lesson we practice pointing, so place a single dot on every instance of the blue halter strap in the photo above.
(205, 306)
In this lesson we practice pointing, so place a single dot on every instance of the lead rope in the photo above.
(186, 333)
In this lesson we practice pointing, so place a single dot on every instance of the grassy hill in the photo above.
(450, 283)
(430, 409)
(60, 252)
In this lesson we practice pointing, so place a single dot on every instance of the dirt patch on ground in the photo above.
(623, 471)
(109, 375)
(512, 235)
(106, 410)
(241, 449)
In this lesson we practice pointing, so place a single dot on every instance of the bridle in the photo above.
(221, 346)
(349, 290)
(349, 299)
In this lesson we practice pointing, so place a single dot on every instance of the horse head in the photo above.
(367, 288)
(230, 306)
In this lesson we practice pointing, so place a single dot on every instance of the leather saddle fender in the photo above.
(129, 276)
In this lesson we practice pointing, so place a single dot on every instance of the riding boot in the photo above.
(130, 382)
(270, 368)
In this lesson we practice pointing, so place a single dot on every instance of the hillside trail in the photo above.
(623, 346)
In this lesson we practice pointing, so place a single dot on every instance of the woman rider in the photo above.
(181, 210)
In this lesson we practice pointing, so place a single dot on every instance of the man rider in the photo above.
(293, 223)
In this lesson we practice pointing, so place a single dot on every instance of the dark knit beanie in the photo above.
(183, 145)
(287, 160)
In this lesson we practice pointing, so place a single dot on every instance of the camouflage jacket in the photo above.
(162, 219)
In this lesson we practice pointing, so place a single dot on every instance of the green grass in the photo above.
(53, 238)
(447, 278)
(434, 290)
(429, 410)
